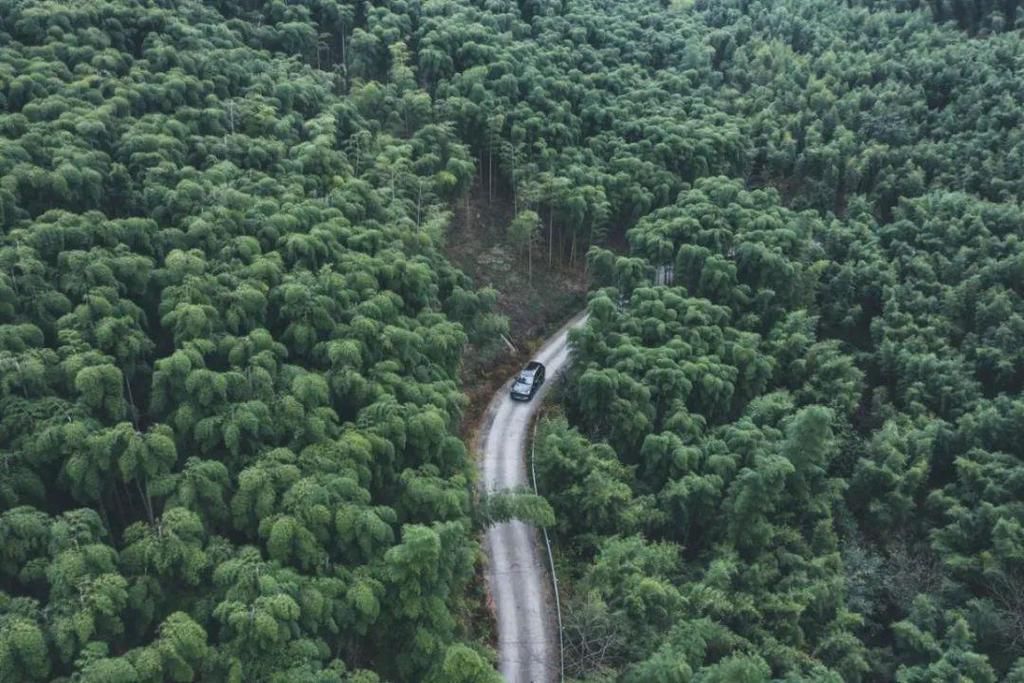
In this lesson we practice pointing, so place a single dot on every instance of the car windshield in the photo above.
(525, 379)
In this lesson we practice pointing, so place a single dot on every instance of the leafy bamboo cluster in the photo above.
(228, 353)
(787, 450)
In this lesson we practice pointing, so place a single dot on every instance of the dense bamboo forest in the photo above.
(798, 458)
(231, 339)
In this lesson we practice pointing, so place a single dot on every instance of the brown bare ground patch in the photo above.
(476, 243)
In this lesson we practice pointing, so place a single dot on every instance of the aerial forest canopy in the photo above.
(790, 445)
(228, 353)
(230, 341)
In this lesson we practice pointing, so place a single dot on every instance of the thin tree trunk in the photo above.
(515, 194)
(490, 169)
(551, 234)
(117, 504)
(419, 198)
(146, 502)
(344, 58)
(572, 252)
(131, 402)
(529, 263)
(105, 515)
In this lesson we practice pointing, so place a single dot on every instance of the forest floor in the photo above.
(476, 244)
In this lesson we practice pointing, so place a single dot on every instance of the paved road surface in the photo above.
(517, 574)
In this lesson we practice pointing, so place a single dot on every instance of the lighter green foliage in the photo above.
(521, 505)
(101, 389)
(172, 548)
(23, 650)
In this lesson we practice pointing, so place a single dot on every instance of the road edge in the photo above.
(478, 446)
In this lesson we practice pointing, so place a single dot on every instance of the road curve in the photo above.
(517, 576)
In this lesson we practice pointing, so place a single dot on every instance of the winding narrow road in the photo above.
(517, 575)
